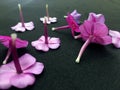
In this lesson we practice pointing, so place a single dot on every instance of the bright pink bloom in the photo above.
(96, 17)
(71, 24)
(53, 43)
(93, 32)
(19, 43)
(115, 38)
(9, 76)
(5, 40)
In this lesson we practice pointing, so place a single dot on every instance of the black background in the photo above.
(99, 68)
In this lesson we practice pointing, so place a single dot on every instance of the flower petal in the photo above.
(29, 25)
(37, 68)
(26, 61)
(96, 17)
(100, 29)
(42, 46)
(116, 42)
(114, 33)
(5, 80)
(22, 80)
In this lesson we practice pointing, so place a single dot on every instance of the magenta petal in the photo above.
(29, 25)
(26, 61)
(19, 43)
(22, 80)
(103, 40)
(100, 29)
(37, 68)
(5, 80)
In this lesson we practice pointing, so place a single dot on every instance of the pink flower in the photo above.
(9, 76)
(93, 32)
(5, 40)
(45, 42)
(19, 70)
(115, 38)
(27, 26)
(71, 24)
(96, 17)
(53, 43)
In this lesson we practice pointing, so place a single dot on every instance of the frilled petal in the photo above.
(5, 80)
(22, 80)
(100, 29)
(76, 16)
(29, 25)
(114, 33)
(18, 27)
(54, 43)
(37, 68)
(19, 43)
(96, 17)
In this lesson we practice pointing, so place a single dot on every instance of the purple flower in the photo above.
(5, 40)
(27, 26)
(76, 16)
(71, 24)
(93, 32)
(53, 43)
(9, 76)
(115, 38)
(19, 70)
(96, 17)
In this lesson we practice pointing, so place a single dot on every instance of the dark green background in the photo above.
(99, 68)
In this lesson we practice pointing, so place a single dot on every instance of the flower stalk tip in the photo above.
(47, 13)
(21, 15)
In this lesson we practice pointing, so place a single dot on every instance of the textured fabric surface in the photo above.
(99, 68)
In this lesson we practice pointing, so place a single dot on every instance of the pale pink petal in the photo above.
(22, 80)
(96, 17)
(26, 61)
(18, 27)
(100, 29)
(35, 43)
(114, 33)
(54, 43)
(29, 25)
(5, 80)
(37, 68)
(116, 42)
(42, 46)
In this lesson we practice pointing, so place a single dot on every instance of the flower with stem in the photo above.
(45, 42)
(71, 24)
(49, 19)
(22, 26)
(5, 40)
(19, 70)
(93, 32)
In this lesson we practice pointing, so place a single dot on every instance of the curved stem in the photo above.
(8, 55)
(83, 49)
